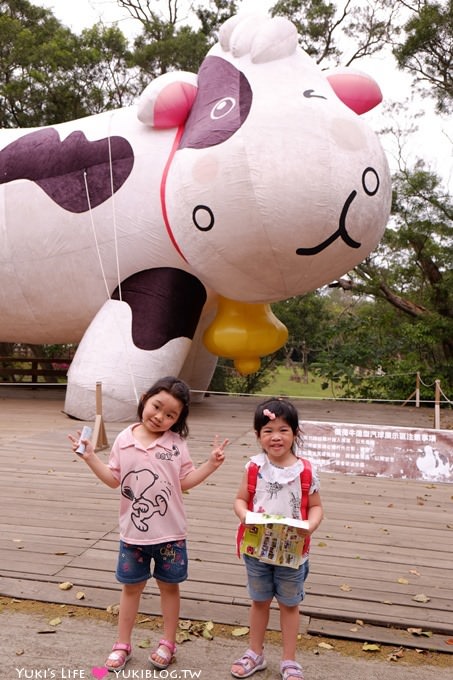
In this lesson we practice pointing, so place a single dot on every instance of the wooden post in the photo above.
(437, 405)
(99, 435)
(415, 393)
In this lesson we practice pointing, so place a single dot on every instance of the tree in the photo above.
(323, 25)
(49, 75)
(307, 319)
(427, 49)
(411, 270)
(166, 43)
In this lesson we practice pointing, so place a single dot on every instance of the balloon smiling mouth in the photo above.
(342, 231)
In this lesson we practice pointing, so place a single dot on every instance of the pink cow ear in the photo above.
(359, 91)
(166, 101)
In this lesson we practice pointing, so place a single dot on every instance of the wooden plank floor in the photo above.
(383, 542)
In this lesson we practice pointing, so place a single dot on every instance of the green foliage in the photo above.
(227, 379)
(427, 51)
(49, 75)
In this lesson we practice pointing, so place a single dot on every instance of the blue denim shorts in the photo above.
(170, 562)
(264, 581)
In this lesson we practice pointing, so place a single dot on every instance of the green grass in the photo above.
(283, 384)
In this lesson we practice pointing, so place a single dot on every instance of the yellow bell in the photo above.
(244, 332)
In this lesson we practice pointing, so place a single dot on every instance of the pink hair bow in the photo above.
(269, 414)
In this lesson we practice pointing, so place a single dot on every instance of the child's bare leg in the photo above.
(170, 605)
(289, 623)
(129, 603)
(259, 619)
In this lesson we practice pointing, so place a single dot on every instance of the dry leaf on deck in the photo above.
(421, 598)
(371, 647)
(325, 645)
(67, 585)
(238, 632)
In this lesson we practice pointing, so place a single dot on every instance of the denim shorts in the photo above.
(170, 562)
(264, 581)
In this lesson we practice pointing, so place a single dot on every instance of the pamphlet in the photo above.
(274, 539)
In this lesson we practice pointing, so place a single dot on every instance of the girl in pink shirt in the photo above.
(151, 463)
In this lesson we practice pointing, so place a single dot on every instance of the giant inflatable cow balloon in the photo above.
(157, 235)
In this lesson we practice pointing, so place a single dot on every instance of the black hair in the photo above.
(178, 389)
(281, 408)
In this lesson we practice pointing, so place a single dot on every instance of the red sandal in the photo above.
(121, 652)
(166, 650)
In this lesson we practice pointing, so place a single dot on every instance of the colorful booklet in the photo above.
(274, 539)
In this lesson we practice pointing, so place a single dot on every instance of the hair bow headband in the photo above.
(269, 414)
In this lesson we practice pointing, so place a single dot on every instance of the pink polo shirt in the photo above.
(151, 506)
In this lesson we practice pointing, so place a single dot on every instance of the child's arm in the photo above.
(100, 469)
(215, 460)
(315, 511)
(241, 501)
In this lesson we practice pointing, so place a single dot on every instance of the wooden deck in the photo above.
(383, 542)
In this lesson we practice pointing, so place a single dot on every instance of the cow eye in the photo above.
(223, 107)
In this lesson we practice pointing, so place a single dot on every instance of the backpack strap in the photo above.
(305, 482)
(252, 476)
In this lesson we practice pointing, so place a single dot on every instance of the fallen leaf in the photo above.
(421, 598)
(345, 588)
(19, 652)
(396, 654)
(354, 629)
(420, 631)
(183, 636)
(55, 622)
(325, 645)
(80, 595)
(371, 647)
(414, 571)
(185, 625)
(144, 644)
(359, 622)
(321, 544)
(113, 609)
(238, 632)
(67, 585)
(403, 581)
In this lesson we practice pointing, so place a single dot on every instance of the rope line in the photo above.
(101, 265)
(93, 229)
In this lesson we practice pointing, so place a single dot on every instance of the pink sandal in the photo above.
(121, 652)
(251, 663)
(167, 651)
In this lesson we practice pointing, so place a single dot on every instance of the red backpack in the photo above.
(305, 483)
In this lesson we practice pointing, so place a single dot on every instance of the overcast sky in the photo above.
(433, 142)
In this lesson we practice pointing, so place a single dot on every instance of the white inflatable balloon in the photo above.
(250, 182)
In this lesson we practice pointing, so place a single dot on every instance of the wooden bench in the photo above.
(33, 370)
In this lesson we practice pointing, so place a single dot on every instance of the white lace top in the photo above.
(278, 489)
